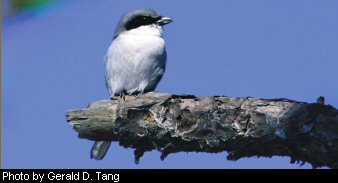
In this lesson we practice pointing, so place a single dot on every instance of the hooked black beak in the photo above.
(164, 21)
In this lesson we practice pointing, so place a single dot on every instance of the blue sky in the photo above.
(52, 61)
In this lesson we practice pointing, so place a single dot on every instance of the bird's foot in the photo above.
(123, 95)
(136, 94)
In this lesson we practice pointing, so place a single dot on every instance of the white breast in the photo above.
(135, 61)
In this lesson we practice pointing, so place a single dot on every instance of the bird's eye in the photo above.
(140, 21)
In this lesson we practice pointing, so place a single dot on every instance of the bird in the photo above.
(135, 60)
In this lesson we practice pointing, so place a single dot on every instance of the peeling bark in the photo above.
(244, 127)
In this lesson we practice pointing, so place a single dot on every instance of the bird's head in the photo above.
(141, 20)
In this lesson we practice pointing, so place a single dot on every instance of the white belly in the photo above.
(135, 63)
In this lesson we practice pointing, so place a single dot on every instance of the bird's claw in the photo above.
(123, 95)
(136, 94)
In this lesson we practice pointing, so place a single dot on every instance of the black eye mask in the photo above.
(140, 21)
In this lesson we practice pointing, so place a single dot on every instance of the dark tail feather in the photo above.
(99, 149)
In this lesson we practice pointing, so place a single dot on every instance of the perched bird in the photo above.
(136, 59)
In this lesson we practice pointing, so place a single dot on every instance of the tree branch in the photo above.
(244, 127)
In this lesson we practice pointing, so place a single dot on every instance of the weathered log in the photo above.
(244, 127)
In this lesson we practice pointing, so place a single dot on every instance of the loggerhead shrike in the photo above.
(136, 59)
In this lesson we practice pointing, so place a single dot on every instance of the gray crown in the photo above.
(129, 16)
